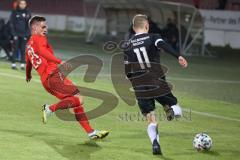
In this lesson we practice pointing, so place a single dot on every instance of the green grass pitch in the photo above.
(208, 91)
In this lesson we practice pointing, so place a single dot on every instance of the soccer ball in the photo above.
(202, 142)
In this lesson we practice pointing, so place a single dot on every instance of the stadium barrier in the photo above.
(222, 27)
(64, 22)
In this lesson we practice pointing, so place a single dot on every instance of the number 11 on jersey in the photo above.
(138, 52)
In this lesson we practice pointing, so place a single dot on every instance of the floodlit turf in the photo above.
(208, 91)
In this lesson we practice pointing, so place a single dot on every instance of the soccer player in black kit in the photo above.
(142, 67)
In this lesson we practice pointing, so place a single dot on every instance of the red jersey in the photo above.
(40, 56)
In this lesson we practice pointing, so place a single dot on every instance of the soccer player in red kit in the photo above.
(40, 56)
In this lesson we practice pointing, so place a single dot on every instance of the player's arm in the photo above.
(28, 69)
(160, 43)
(43, 51)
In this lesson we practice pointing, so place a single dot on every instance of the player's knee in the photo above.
(152, 122)
(80, 99)
(151, 117)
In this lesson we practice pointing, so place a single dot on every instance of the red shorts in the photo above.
(59, 86)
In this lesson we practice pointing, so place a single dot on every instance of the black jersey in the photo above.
(145, 48)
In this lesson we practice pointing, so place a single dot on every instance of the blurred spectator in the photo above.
(20, 31)
(184, 36)
(170, 33)
(1, 24)
(153, 27)
(222, 4)
(15, 4)
(196, 3)
(5, 39)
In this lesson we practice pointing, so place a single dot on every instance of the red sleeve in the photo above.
(28, 67)
(44, 52)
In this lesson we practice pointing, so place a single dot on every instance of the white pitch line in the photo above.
(178, 79)
(193, 111)
(18, 77)
(212, 115)
(203, 80)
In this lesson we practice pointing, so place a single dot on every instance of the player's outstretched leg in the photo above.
(153, 133)
(81, 117)
(74, 102)
(68, 102)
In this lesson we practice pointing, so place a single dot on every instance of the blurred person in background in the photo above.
(171, 34)
(196, 3)
(5, 39)
(222, 4)
(20, 31)
(15, 4)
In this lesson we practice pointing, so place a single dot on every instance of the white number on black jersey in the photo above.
(138, 52)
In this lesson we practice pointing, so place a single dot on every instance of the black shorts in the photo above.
(153, 88)
(148, 105)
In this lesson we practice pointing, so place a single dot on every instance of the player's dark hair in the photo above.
(139, 20)
(35, 19)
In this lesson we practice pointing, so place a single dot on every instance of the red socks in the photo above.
(82, 119)
(73, 102)
(69, 102)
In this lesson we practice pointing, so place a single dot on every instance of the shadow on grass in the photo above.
(192, 152)
(211, 153)
(74, 151)
(164, 157)
(66, 148)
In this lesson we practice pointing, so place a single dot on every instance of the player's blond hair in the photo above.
(139, 21)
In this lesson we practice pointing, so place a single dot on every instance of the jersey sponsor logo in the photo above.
(138, 43)
(139, 39)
